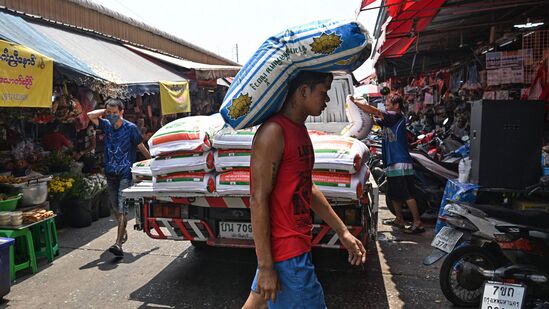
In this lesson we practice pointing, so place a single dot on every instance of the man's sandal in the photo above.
(414, 230)
(392, 222)
(116, 250)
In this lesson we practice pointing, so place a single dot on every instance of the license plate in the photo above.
(235, 230)
(502, 295)
(446, 239)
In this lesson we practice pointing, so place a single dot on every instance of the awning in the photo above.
(16, 29)
(408, 20)
(202, 70)
(109, 60)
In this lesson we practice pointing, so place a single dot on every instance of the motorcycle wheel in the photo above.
(422, 205)
(461, 288)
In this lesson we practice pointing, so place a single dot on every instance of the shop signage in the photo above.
(508, 59)
(175, 97)
(26, 77)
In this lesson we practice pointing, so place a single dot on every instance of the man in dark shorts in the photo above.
(282, 197)
(122, 139)
(397, 160)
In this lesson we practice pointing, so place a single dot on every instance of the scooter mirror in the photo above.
(465, 138)
(445, 121)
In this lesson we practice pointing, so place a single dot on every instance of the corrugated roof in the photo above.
(203, 71)
(108, 60)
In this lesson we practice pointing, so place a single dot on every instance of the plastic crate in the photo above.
(5, 282)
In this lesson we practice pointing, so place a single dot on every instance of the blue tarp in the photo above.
(457, 191)
(16, 29)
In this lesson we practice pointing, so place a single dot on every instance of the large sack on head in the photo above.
(142, 170)
(183, 162)
(336, 153)
(186, 182)
(259, 89)
(231, 159)
(233, 183)
(342, 185)
(228, 138)
(360, 122)
(192, 134)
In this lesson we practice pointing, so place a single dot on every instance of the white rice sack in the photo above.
(230, 159)
(233, 183)
(360, 122)
(191, 134)
(336, 153)
(142, 171)
(186, 182)
(182, 162)
(228, 138)
(259, 89)
(342, 185)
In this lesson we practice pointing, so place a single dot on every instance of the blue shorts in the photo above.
(299, 285)
(115, 185)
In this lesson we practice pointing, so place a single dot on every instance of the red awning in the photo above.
(393, 6)
(404, 28)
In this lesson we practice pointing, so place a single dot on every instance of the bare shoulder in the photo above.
(268, 135)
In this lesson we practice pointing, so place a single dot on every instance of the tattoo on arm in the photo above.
(275, 171)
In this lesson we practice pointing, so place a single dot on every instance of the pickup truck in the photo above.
(214, 220)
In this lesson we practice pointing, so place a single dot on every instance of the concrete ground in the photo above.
(169, 274)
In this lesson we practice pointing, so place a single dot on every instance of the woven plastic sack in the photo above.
(233, 183)
(182, 162)
(342, 185)
(228, 138)
(185, 182)
(191, 134)
(336, 153)
(231, 159)
(259, 89)
(142, 170)
(360, 122)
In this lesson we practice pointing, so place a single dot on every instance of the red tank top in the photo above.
(290, 201)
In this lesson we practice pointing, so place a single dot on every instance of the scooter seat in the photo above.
(534, 218)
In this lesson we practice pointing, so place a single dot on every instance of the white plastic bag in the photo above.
(182, 162)
(464, 169)
(338, 154)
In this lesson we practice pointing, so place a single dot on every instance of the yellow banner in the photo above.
(26, 77)
(175, 97)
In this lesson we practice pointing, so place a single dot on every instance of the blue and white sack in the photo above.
(259, 89)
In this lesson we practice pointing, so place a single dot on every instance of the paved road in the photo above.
(168, 274)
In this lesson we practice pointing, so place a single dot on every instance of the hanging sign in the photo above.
(175, 98)
(26, 77)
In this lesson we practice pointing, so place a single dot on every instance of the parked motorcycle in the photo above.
(495, 243)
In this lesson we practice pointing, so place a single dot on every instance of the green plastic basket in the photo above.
(11, 204)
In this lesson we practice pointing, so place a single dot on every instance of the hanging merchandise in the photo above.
(175, 98)
(259, 89)
(27, 77)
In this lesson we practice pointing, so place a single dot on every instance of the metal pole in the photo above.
(237, 53)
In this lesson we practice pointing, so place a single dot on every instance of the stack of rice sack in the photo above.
(141, 171)
(183, 156)
(232, 160)
(340, 170)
